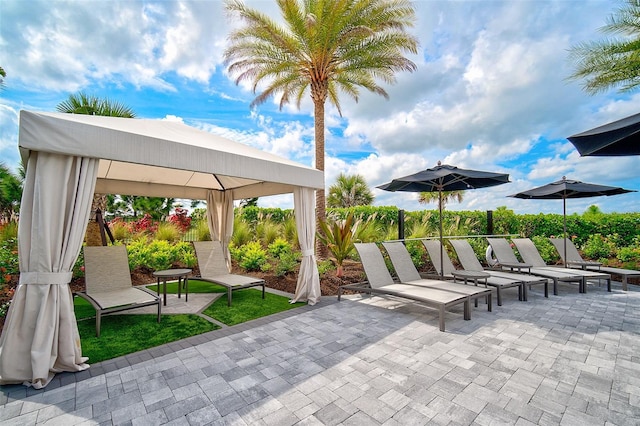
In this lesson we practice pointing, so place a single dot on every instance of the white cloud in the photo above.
(9, 155)
(67, 45)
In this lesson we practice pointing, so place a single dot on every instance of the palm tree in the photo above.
(10, 193)
(3, 74)
(349, 191)
(614, 61)
(82, 103)
(430, 197)
(323, 48)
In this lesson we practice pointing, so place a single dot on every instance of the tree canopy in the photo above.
(323, 48)
(614, 61)
(349, 191)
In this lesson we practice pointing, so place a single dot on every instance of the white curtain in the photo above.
(220, 219)
(40, 335)
(308, 286)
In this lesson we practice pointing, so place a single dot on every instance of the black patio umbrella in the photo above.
(617, 138)
(566, 188)
(445, 178)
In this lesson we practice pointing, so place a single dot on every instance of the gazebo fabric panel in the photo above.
(308, 286)
(220, 220)
(40, 336)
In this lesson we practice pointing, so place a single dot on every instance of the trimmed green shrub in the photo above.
(547, 250)
(325, 266)
(285, 263)
(251, 256)
(279, 247)
(598, 247)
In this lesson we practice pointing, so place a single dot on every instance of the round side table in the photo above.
(183, 280)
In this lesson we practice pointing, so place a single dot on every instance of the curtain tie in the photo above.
(45, 278)
(307, 252)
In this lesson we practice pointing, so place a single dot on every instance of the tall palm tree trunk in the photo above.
(93, 237)
(321, 215)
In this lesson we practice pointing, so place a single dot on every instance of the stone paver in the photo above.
(569, 359)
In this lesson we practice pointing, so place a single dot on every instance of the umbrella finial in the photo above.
(564, 178)
(439, 163)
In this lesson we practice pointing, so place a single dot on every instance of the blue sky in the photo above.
(490, 92)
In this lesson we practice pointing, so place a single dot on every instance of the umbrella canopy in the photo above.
(567, 188)
(618, 138)
(445, 178)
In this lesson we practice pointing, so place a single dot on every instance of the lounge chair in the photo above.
(379, 282)
(408, 274)
(108, 283)
(470, 262)
(507, 260)
(530, 254)
(213, 268)
(433, 249)
(574, 260)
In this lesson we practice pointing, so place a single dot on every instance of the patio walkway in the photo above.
(572, 359)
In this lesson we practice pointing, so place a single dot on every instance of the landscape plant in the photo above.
(547, 250)
(250, 256)
(321, 49)
(181, 219)
(168, 231)
(202, 230)
(242, 233)
(267, 231)
(599, 247)
(339, 238)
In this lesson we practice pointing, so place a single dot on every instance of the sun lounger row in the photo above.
(535, 265)
(574, 260)
(442, 295)
(437, 294)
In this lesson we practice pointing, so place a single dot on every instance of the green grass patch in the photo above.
(125, 334)
(195, 286)
(247, 305)
(83, 308)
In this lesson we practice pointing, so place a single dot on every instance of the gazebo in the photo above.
(70, 157)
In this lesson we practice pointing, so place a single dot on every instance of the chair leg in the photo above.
(229, 296)
(159, 309)
(263, 290)
(98, 323)
(499, 292)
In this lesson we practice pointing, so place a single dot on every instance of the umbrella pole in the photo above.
(564, 214)
(441, 240)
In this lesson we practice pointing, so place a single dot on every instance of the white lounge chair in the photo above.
(507, 259)
(574, 260)
(408, 274)
(108, 283)
(470, 262)
(380, 282)
(530, 254)
(213, 268)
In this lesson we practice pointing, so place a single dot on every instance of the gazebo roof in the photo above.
(163, 158)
